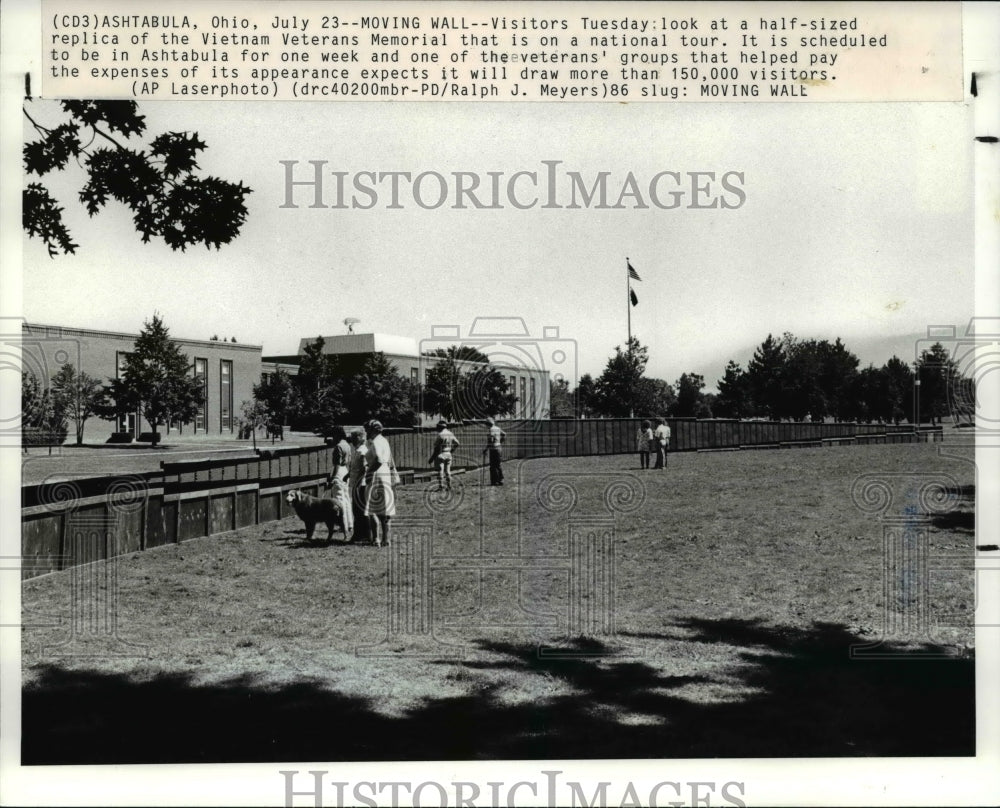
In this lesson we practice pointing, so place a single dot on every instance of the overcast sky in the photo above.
(857, 223)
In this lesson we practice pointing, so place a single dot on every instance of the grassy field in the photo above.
(742, 581)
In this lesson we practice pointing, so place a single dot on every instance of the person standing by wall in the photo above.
(380, 499)
(441, 456)
(644, 443)
(495, 438)
(662, 436)
(338, 477)
(356, 486)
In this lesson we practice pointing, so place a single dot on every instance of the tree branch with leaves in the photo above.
(156, 182)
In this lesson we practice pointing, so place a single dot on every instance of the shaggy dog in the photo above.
(312, 510)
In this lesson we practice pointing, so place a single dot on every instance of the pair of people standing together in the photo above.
(364, 478)
(446, 443)
(653, 441)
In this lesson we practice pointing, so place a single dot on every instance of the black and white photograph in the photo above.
(459, 451)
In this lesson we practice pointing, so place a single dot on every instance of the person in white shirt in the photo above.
(644, 442)
(356, 486)
(441, 456)
(380, 499)
(494, 445)
(662, 437)
(338, 477)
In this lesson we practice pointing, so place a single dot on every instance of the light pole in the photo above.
(916, 397)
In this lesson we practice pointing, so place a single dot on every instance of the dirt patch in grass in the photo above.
(742, 582)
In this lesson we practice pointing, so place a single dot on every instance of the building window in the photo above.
(524, 397)
(533, 408)
(415, 375)
(127, 422)
(201, 374)
(226, 395)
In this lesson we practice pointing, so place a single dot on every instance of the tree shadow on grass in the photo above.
(796, 693)
(963, 518)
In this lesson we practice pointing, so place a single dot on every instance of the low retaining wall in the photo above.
(66, 523)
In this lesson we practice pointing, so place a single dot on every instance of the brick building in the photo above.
(228, 371)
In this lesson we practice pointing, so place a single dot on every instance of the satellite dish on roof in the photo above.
(350, 323)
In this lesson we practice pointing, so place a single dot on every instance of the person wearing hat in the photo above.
(380, 500)
(494, 445)
(444, 445)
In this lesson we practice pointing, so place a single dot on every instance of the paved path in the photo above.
(67, 462)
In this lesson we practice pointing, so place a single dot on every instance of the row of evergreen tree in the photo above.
(786, 379)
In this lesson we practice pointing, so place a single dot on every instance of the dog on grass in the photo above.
(313, 510)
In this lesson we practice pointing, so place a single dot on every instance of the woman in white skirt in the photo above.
(356, 486)
(338, 477)
(380, 502)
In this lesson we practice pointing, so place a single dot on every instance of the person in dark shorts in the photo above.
(494, 446)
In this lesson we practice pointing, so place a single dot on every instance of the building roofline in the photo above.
(94, 332)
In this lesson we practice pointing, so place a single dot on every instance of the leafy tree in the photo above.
(586, 397)
(815, 380)
(560, 399)
(376, 390)
(443, 386)
(939, 380)
(460, 353)
(897, 378)
(79, 396)
(156, 182)
(42, 419)
(764, 378)
(318, 402)
(487, 392)
(156, 380)
(801, 385)
(706, 406)
(276, 395)
(255, 415)
(654, 397)
(689, 396)
(733, 400)
(617, 385)
(461, 385)
(838, 367)
(868, 395)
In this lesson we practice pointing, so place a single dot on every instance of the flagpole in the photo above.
(628, 310)
(628, 303)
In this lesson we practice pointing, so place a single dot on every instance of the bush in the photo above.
(120, 437)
